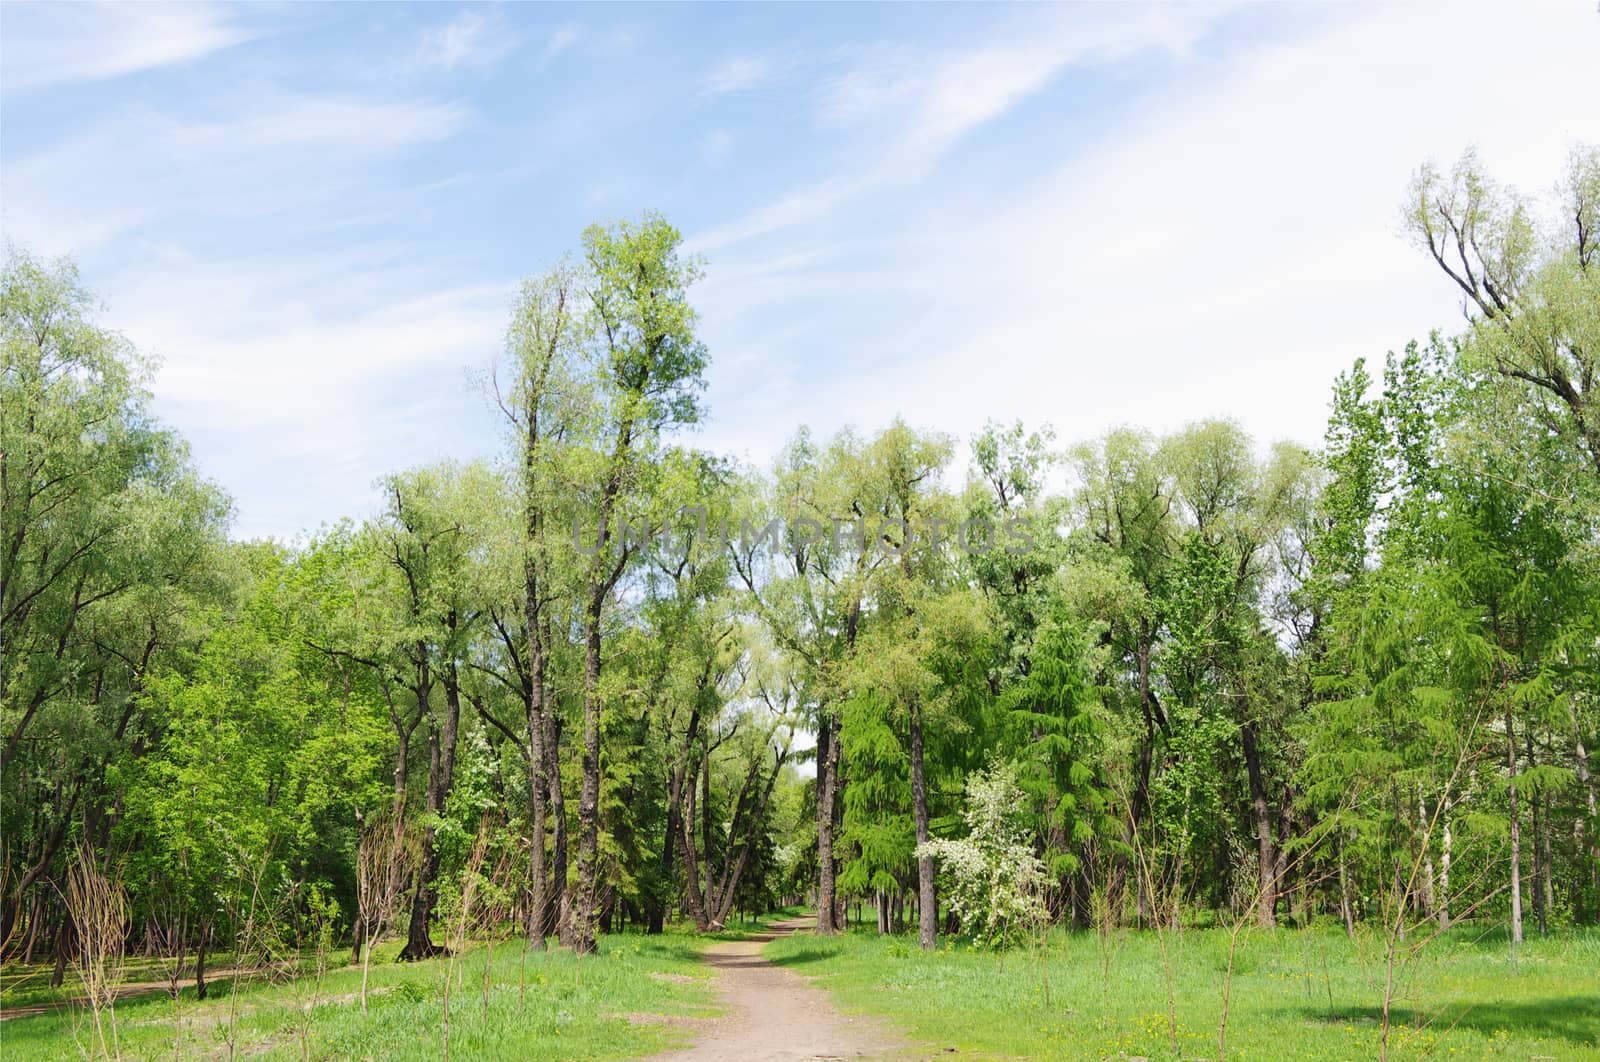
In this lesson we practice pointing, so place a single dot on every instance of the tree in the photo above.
(110, 545)
(545, 408)
(648, 367)
(1533, 300)
(997, 880)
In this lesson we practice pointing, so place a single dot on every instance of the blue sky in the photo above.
(1084, 214)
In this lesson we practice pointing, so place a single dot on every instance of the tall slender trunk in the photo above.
(734, 870)
(691, 862)
(1546, 884)
(66, 944)
(705, 828)
(200, 960)
(1141, 785)
(558, 806)
(580, 930)
(677, 776)
(1446, 840)
(1266, 912)
(827, 780)
(538, 781)
(603, 576)
(1429, 897)
(538, 786)
(441, 770)
(1516, 829)
(1346, 911)
(11, 905)
(927, 923)
(1540, 870)
(544, 782)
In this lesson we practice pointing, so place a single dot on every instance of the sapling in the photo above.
(383, 856)
(98, 908)
(464, 903)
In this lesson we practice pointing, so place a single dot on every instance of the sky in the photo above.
(1086, 215)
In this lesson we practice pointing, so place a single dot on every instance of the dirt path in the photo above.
(776, 1014)
(126, 990)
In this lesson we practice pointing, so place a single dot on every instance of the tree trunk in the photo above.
(558, 812)
(1446, 841)
(710, 884)
(419, 944)
(11, 905)
(1516, 830)
(200, 961)
(1429, 897)
(691, 862)
(1117, 886)
(580, 928)
(735, 868)
(66, 943)
(1547, 885)
(441, 770)
(538, 782)
(1345, 910)
(676, 774)
(1266, 912)
(827, 774)
(927, 924)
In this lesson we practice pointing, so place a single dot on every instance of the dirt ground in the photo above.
(775, 1014)
(127, 990)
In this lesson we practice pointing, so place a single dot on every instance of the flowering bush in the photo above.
(996, 879)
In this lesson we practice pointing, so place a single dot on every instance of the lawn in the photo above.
(539, 1005)
(1310, 994)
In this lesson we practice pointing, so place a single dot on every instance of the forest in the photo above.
(607, 686)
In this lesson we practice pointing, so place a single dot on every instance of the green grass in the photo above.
(1310, 994)
(568, 1009)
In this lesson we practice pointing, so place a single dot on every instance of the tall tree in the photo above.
(648, 366)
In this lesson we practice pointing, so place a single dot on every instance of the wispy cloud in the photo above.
(563, 38)
(468, 40)
(917, 107)
(356, 126)
(318, 372)
(269, 153)
(736, 74)
(57, 44)
(1112, 286)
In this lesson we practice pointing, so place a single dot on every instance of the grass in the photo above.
(568, 1010)
(1310, 994)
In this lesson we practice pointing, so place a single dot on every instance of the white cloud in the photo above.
(563, 38)
(468, 40)
(270, 154)
(917, 108)
(303, 381)
(1225, 254)
(56, 44)
(737, 74)
(298, 374)
(355, 126)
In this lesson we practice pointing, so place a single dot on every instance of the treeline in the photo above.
(614, 681)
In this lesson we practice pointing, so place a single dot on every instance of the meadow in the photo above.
(531, 1004)
(1306, 994)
